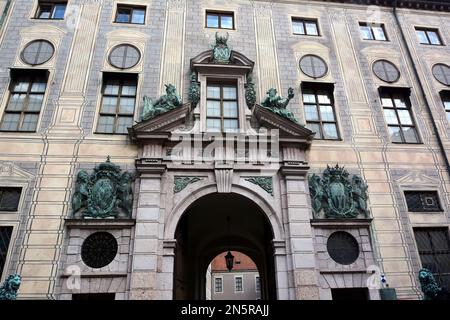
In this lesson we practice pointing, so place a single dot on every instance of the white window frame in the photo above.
(204, 78)
(257, 280)
(221, 279)
(242, 278)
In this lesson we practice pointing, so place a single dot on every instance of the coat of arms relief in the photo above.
(338, 195)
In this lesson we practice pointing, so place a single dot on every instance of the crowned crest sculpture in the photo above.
(336, 195)
(221, 51)
(167, 102)
(431, 290)
(106, 193)
(8, 291)
(278, 105)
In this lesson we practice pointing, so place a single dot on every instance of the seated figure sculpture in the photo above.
(278, 105)
(165, 103)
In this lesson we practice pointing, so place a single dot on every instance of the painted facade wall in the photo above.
(46, 162)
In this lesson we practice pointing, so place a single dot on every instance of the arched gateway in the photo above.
(192, 180)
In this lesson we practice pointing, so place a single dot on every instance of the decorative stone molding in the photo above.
(6, 168)
(181, 182)
(224, 179)
(265, 183)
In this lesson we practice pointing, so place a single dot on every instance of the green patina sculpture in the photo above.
(182, 182)
(278, 105)
(250, 92)
(265, 183)
(106, 193)
(430, 288)
(194, 91)
(221, 51)
(165, 103)
(335, 195)
(8, 291)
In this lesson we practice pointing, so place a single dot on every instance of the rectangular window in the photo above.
(5, 238)
(218, 285)
(429, 36)
(118, 103)
(423, 201)
(27, 92)
(51, 10)
(257, 284)
(372, 31)
(398, 116)
(219, 20)
(130, 14)
(320, 112)
(307, 27)
(445, 96)
(9, 198)
(238, 284)
(433, 245)
(222, 114)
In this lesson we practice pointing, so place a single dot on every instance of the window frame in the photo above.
(221, 100)
(407, 100)
(303, 22)
(221, 285)
(52, 10)
(433, 253)
(122, 77)
(132, 8)
(219, 14)
(257, 284)
(370, 26)
(330, 93)
(438, 200)
(426, 31)
(13, 80)
(2, 210)
(3, 274)
(235, 284)
(445, 97)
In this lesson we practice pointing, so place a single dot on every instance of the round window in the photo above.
(99, 249)
(442, 73)
(124, 56)
(313, 66)
(343, 248)
(37, 52)
(386, 71)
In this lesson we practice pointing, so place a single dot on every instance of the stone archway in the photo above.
(202, 233)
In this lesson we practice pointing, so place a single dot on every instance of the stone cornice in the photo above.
(432, 5)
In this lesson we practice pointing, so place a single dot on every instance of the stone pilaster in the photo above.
(300, 234)
(172, 57)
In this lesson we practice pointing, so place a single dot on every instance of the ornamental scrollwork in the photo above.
(336, 195)
(106, 193)
(266, 183)
(250, 92)
(194, 91)
(182, 182)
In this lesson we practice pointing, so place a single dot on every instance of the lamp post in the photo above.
(229, 258)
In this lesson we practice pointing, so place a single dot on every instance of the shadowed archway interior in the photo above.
(202, 233)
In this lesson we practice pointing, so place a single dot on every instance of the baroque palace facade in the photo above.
(139, 139)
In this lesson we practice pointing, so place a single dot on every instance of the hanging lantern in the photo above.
(229, 259)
